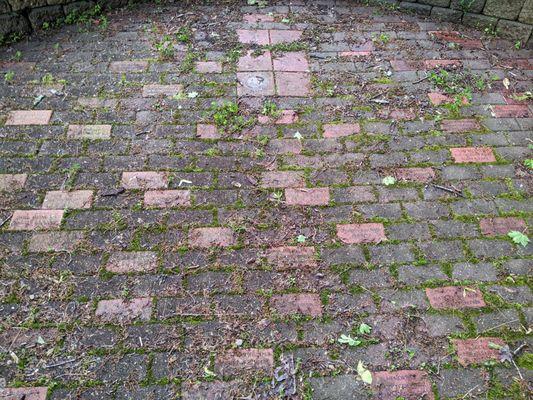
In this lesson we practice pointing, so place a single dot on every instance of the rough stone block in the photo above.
(446, 14)
(514, 30)
(509, 9)
(470, 6)
(39, 16)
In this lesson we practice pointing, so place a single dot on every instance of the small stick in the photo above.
(5, 220)
(455, 192)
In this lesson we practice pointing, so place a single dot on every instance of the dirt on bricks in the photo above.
(265, 200)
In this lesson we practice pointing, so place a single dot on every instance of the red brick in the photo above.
(12, 182)
(119, 310)
(29, 220)
(291, 62)
(411, 385)
(455, 37)
(523, 64)
(438, 98)
(55, 241)
(472, 155)
(124, 262)
(144, 180)
(307, 197)
(431, 64)
(305, 304)
(398, 114)
(284, 36)
(294, 84)
(361, 233)
(402, 65)
(501, 226)
(90, 132)
(514, 98)
(286, 117)
(256, 18)
(459, 125)
(209, 67)
(255, 62)
(415, 174)
(24, 393)
(455, 297)
(259, 36)
(161, 90)
(292, 257)
(167, 198)
(29, 117)
(282, 179)
(355, 54)
(60, 199)
(340, 130)
(256, 84)
(475, 351)
(238, 362)
(211, 237)
(207, 131)
(128, 66)
(511, 111)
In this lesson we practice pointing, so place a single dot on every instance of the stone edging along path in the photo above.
(511, 19)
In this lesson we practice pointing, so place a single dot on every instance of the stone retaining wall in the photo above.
(512, 19)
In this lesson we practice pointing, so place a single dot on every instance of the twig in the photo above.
(421, 80)
(60, 363)
(5, 220)
(454, 191)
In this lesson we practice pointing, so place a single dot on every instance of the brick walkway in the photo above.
(349, 202)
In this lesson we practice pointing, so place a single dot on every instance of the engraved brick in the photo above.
(402, 384)
(119, 310)
(207, 131)
(128, 66)
(361, 233)
(161, 90)
(211, 237)
(244, 361)
(55, 241)
(431, 64)
(255, 62)
(282, 179)
(29, 117)
(473, 155)
(23, 393)
(286, 117)
(303, 303)
(167, 198)
(29, 220)
(511, 111)
(459, 125)
(340, 130)
(501, 226)
(257, 18)
(60, 199)
(475, 351)
(455, 297)
(415, 174)
(90, 132)
(307, 197)
(12, 182)
(144, 180)
(291, 62)
(132, 261)
(292, 257)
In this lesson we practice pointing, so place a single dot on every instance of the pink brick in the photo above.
(144, 180)
(284, 36)
(511, 111)
(402, 65)
(294, 84)
(307, 196)
(455, 37)
(477, 351)
(60, 199)
(207, 131)
(238, 362)
(29, 220)
(355, 54)
(282, 179)
(286, 117)
(259, 36)
(459, 125)
(119, 310)
(211, 237)
(398, 114)
(455, 297)
(12, 182)
(156, 90)
(514, 98)
(405, 384)
(431, 64)
(361, 233)
(305, 304)
(255, 62)
(257, 18)
(438, 98)
(29, 117)
(473, 155)
(523, 64)
(340, 130)
(128, 66)
(256, 84)
(167, 198)
(56, 241)
(209, 67)
(24, 393)
(415, 174)
(90, 132)
(501, 226)
(286, 146)
(124, 262)
(291, 62)
(292, 257)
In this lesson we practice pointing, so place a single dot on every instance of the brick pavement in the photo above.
(189, 223)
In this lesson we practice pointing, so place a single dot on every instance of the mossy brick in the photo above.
(507, 10)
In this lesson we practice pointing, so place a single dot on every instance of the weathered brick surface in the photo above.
(26, 393)
(192, 207)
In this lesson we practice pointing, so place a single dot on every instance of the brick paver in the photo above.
(252, 199)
